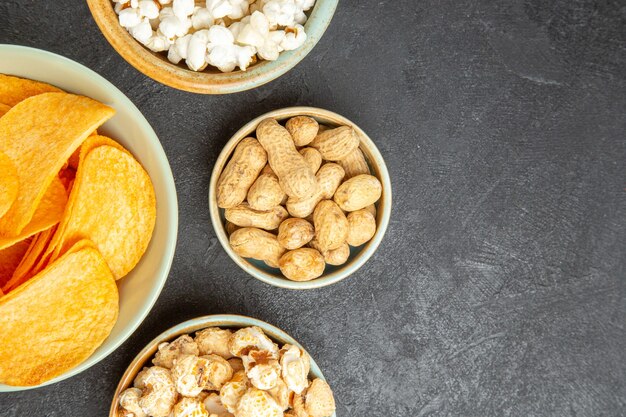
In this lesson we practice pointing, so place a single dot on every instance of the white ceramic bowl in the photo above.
(190, 326)
(358, 256)
(140, 289)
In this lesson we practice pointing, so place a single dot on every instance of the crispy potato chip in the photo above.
(39, 134)
(111, 183)
(15, 89)
(57, 319)
(9, 183)
(89, 144)
(10, 258)
(3, 109)
(48, 214)
(23, 271)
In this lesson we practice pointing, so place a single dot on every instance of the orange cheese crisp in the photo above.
(39, 134)
(77, 212)
(10, 258)
(9, 183)
(23, 270)
(57, 319)
(3, 109)
(110, 182)
(48, 213)
(15, 89)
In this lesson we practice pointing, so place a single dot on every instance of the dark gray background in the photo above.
(500, 287)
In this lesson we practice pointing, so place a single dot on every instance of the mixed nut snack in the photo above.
(225, 373)
(297, 197)
(223, 33)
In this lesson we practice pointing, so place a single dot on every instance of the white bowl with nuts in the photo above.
(300, 197)
(223, 366)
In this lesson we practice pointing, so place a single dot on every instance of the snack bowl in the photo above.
(139, 290)
(231, 321)
(211, 80)
(358, 255)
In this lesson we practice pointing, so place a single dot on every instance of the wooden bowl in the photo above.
(225, 321)
(358, 256)
(211, 80)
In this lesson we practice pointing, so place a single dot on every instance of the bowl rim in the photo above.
(198, 323)
(172, 204)
(344, 271)
(161, 70)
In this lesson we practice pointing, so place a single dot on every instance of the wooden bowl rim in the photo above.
(157, 67)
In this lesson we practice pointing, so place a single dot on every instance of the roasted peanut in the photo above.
(336, 144)
(250, 242)
(361, 227)
(302, 264)
(267, 169)
(354, 164)
(294, 233)
(372, 209)
(245, 216)
(230, 228)
(329, 177)
(331, 225)
(312, 157)
(303, 129)
(243, 168)
(358, 192)
(265, 193)
(294, 175)
(337, 256)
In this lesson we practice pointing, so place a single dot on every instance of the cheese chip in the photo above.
(39, 134)
(57, 319)
(15, 89)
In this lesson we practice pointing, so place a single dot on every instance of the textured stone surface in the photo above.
(500, 287)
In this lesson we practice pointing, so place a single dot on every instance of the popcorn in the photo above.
(188, 375)
(282, 394)
(294, 38)
(158, 43)
(319, 401)
(196, 50)
(201, 18)
(183, 8)
(214, 406)
(250, 338)
(129, 400)
(234, 9)
(219, 372)
(233, 390)
(159, 392)
(214, 340)
(184, 345)
(258, 403)
(257, 380)
(236, 364)
(190, 407)
(256, 32)
(148, 9)
(129, 17)
(295, 365)
(258, 29)
(284, 12)
(262, 369)
(142, 31)
(173, 26)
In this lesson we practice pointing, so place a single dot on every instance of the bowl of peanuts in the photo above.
(300, 197)
(225, 366)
